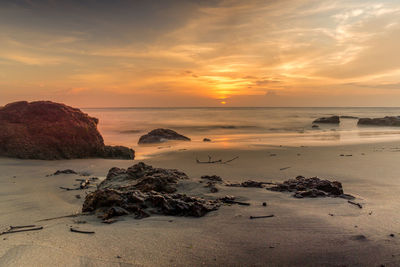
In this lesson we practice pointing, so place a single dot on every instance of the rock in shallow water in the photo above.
(386, 121)
(48, 130)
(332, 119)
(161, 135)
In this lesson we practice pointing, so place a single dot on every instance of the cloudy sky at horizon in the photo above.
(201, 53)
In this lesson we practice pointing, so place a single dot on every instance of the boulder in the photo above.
(333, 120)
(206, 140)
(386, 121)
(48, 130)
(161, 135)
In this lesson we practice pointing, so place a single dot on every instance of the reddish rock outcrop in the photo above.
(48, 130)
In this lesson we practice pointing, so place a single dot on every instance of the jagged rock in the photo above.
(310, 187)
(161, 135)
(67, 171)
(206, 140)
(212, 178)
(141, 203)
(333, 119)
(118, 152)
(386, 121)
(141, 190)
(143, 177)
(48, 130)
(249, 183)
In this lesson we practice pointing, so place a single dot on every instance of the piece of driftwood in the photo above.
(355, 203)
(220, 161)
(264, 216)
(22, 226)
(69, 189)
(80, 231)
(21, 229)
(65, 216)
(229, 201)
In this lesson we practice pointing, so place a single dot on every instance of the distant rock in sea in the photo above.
(48, 130)
(161, 135)
(348, 117)
(386, 121)
(333, 119)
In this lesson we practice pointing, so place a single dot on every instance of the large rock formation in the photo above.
(161, 135)
(386, 121)
(142, 190)
(333, 119)
(48, 130)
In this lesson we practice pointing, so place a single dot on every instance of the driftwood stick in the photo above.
(80, 231)
(236, 202)
(69, 189)
(22, 226)
(65, 216)
(355, 203)
(210, 161)
(230, 160)
(259, 217)
(21, 230)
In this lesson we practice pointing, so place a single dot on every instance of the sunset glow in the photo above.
(194, 53)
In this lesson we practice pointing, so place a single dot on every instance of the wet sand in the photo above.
(302, 233)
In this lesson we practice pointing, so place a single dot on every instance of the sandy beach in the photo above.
(303, 232)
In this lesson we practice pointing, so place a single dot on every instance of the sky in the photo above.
(98, 53)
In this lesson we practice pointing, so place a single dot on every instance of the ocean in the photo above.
(242, 127)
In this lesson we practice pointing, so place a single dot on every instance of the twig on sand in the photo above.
(355, 203)
(65, 216)
(220, 161)
(80, 231)
(69, 189)
(285, 168)
(259, 217)
(21, 229)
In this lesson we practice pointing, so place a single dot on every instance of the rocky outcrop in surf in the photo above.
(386, 121)
(161, 135)
(48, 130)
(332, 119)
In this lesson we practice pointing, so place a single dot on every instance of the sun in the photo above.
(223, 102)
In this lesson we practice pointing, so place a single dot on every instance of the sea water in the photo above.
(241, 127)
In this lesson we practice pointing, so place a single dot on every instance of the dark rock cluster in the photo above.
(332, 119)
(386, 121)
(143, 190)
(248, 183)
(48, 130)
(161, 135)
(310, 187)
(212, 181)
